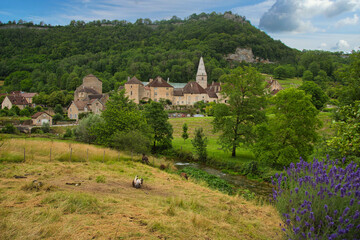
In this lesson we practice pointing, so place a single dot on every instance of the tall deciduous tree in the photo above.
(122, 115)
(346, 140)
(244, 90)
(318, 96)
(161, 129)
(291, 133)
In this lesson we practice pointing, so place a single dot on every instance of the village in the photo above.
(89, 97)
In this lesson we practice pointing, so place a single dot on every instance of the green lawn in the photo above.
(290, 82)
(213, 148)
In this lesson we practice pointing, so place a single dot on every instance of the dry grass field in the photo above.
(105, 206)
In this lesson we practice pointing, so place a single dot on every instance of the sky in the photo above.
(331, 25)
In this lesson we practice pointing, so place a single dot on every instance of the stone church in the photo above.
(88, 97)
(178, 93)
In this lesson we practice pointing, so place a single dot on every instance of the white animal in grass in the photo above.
(137, 182)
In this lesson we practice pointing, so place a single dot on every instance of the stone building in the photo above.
(88, 97)
(18, 98)
(14, 100)
(178, 93)
(273, 86)
(39, 118)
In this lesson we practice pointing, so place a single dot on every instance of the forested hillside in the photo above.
(46, 58)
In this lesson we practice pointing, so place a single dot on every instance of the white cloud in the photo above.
(323, 46)
(324, 41)
(296, 15)
(254, 12)
(347, 21)
(341, 45)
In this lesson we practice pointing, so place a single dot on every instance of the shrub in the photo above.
(319, 200)
(9, 128)
(68, 133)
(57, 117)
(84, 131)
(213, 181)
(45, 127)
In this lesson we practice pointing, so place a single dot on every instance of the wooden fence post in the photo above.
(70, 154)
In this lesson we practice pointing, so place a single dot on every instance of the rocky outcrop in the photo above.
(241, 54)
(246, 55)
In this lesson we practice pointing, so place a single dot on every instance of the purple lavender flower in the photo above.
(356, 215)
(346, 211)
(326, 207)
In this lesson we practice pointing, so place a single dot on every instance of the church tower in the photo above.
(201, 76)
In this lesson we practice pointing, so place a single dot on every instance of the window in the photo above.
(130, 93)
(167, 94)
(155, 88)
(71, 116)
(75, 115)
(155, 93)
(167, 88)
(70, 109)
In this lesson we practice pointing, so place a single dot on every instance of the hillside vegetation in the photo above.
(57, 58)
(105, 206)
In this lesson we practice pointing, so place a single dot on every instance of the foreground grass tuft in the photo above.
(73, 202)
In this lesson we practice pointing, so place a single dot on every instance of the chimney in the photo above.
(168, 80)
(128, 78)
(150, 80)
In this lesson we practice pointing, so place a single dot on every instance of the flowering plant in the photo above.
(319, 200)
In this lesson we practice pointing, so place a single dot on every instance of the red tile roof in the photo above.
(17, 100)
(36, 115)
(194, 88)
(134, 80)
(159, 82)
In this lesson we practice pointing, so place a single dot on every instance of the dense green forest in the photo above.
(43, 58)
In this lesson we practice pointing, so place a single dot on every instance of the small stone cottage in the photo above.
(39, 118)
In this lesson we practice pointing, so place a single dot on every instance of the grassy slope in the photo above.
(105, 206)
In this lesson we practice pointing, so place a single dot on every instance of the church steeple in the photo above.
(201, 76)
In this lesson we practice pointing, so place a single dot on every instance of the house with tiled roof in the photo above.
(273, 86)
(160, 89)
(14, 100)
(39, 118)
(28, 96)
(88, 97)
